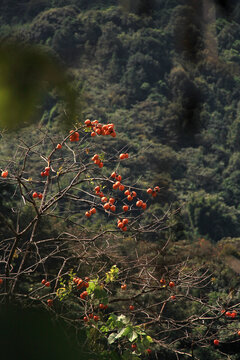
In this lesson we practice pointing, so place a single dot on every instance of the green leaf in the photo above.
(92, 285)
(112, 337)
(113, 317)
(122, 318)
(101, 295)
(124, 332)
(104, 328)
(132, 336)
(149, 338)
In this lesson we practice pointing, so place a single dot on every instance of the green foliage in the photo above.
(112, 274)
(148, 66)
(66, 286)
(19, 95)
(212, 217)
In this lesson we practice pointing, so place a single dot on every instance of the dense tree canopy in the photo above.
(167, 74)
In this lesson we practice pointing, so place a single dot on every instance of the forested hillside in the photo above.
(154, 70)
(167, 73)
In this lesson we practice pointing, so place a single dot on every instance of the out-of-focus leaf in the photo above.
(27, 74)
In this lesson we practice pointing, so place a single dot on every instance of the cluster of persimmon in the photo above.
(103, 307)
(163, 282)
(74, 137)
(123, 156)
(130, 195)
(141, 204)
(80, 283)
(229, 314)
(100, 129)
(117, 184)
(154, 191)
(134, 347)
(97, 161)
(90, 212)
(35, 195)
(122, 224)
(83, 295)
(98, 192)
(1, 281)
(109, 203)
(91, 316)
(4, 174)
(45, 172)
(45, 282)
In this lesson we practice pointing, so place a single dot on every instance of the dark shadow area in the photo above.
(31, 334)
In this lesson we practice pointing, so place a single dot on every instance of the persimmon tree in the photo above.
(76, 239)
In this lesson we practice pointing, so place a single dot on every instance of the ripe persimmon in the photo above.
(106, 206)
(50, 302)
(95, 157)
(87, 122)
(144, 206)
(97, 188)
(4, 174)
